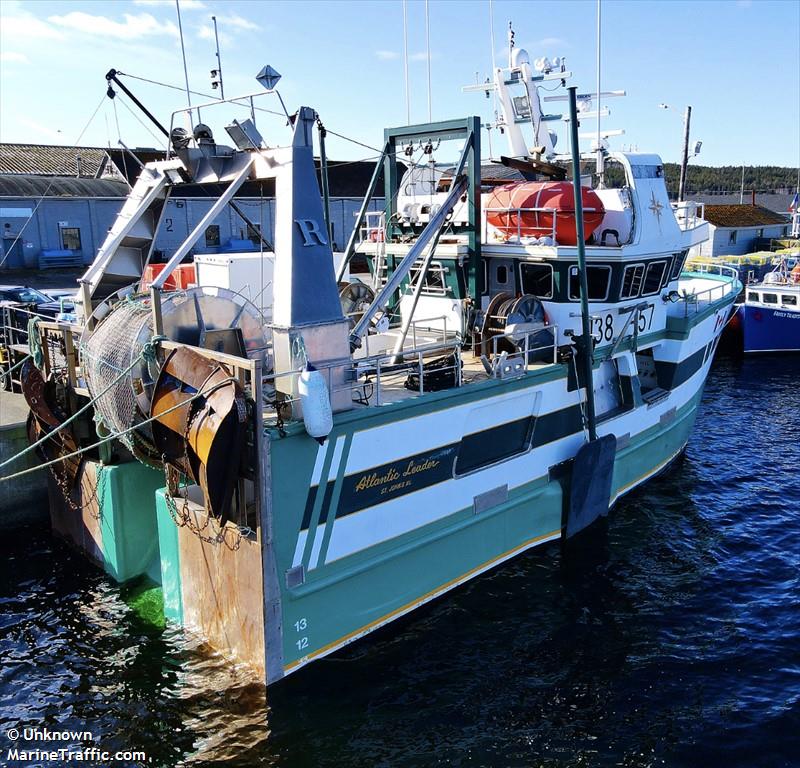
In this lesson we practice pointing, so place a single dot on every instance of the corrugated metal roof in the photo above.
(742, 216)
(52, 160)
(345, 178)
(27, 185)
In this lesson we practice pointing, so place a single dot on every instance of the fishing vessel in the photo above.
(770, 314)
(521, 356)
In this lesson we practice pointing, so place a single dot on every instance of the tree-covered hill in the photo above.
(727, 179)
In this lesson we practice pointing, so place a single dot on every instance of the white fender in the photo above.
(316, 403)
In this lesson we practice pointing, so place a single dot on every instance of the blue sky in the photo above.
(736, 62)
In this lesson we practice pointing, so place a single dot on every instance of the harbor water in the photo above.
(667, 636)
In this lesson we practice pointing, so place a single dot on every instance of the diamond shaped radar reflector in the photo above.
(268, 77)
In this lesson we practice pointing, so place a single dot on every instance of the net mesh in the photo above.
(111, 349)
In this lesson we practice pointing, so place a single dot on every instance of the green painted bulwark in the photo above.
(170, 560)
(129, 538)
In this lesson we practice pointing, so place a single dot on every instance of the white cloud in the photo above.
(207, 33)
(387, 55)
(239, 22)
(13, 56)
(186, 5)
(134, 27)
(42, 131)
(21, 25)
(550, 42)
(423, 56)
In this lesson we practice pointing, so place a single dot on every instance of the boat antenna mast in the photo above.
(216, 74)
(185, 69)
(600, 166)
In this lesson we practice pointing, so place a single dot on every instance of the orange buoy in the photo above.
(506, 210)
(796, 273)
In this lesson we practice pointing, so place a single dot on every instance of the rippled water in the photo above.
(669, 636)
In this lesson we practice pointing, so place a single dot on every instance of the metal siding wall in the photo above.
(17, 225)
(74, 212)
(94, 217)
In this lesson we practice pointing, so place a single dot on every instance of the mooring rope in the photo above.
(75, 415)
(115, 436)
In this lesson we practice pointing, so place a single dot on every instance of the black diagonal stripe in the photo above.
(413, 473)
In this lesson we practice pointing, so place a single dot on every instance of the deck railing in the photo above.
(689, 214)
(697, 300)
(523, 229)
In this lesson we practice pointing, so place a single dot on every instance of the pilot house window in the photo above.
(632, 281)
(597, 280)
(537, 279)
(653, 277)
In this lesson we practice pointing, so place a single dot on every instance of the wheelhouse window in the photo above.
(212, 235)
(677, 264)
(789, 301)
(770, 298)
(598, 279)
(732, 238)
(537, 279)
(752, 296)
(501, 274)
(632, 281)
(654, 277)
(71, 238)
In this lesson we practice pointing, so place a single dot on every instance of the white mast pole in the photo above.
(185, 70)
(494, 70)
(405, 60)
(599, 165)
(428, 47)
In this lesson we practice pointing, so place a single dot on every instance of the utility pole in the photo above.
(741, 191)
(687, 118)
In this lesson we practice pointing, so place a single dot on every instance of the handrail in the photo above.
(696, 297)
(693, 213)
(514, 210)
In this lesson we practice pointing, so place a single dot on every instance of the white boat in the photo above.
(303, 483)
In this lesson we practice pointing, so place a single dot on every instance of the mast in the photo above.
(405, 61)
(219, 59)
(586, 347)
(600, 163)
(185, 70)
(428, 53)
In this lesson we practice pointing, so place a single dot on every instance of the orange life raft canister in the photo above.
(504, 204)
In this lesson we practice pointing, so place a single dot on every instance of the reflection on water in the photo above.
(667, 635)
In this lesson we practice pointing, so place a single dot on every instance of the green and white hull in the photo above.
(406, 502)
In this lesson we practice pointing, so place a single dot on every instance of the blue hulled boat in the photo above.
(770, 315)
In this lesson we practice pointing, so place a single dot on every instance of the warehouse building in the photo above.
(57, 204)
